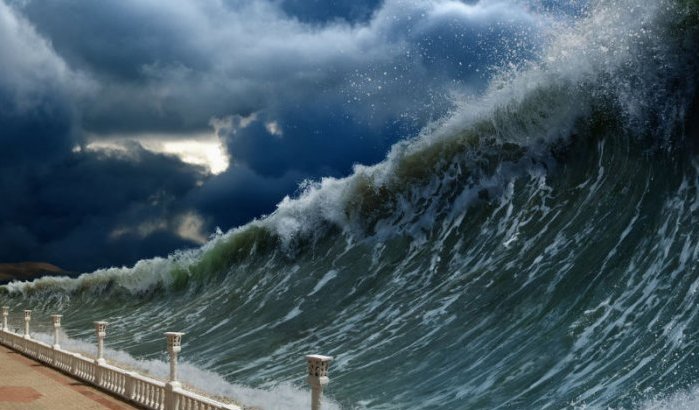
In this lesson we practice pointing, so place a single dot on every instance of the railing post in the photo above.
(5, 313)
(27, 319)
(56, 330)
(101, 331)
(317, 377)
(174, 346)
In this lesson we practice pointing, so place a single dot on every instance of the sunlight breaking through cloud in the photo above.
(198, 149)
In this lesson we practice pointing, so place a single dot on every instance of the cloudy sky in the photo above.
(131, 128)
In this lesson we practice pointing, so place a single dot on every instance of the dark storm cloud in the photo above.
(320, 138)
(36, 116)
(95, 208)
(239, 195)
(80, 209)
(294, 90)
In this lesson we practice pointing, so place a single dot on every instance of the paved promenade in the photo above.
(29, 385)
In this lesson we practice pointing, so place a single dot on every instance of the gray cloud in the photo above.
(174, 66)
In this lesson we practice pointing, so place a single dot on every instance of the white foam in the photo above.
(684, 400)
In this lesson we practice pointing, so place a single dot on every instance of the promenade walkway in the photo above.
(29, 385)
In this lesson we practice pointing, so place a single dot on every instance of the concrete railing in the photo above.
(144, 391)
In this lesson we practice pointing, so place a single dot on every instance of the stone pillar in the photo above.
(317, 377)
(101, 331)
(174, 346)
(56, 329)
(5, 314)
(27, 319)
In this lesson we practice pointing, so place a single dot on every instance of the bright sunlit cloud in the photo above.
(198, 149)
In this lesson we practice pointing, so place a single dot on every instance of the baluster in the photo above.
(137, 391)
(129, 386)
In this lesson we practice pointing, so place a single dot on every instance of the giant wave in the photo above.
(537, 248)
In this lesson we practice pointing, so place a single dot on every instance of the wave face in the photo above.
(538, 248)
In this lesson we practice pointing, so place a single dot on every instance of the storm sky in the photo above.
(132, 128)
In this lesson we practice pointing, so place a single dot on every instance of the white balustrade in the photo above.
(144, 391)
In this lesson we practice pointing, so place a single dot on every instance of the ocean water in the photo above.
(537, 248)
